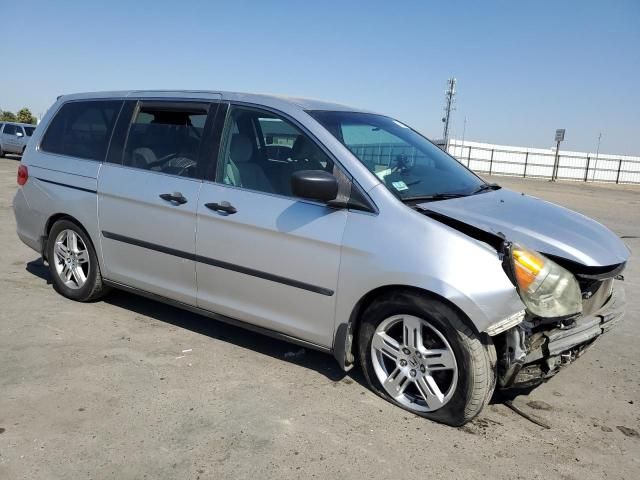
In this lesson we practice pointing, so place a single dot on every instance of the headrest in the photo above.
(143, 156)
(241, 148)
(301, 148)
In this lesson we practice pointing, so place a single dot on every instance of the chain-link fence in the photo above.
(523, 162)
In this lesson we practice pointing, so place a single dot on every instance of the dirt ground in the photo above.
(131, 388)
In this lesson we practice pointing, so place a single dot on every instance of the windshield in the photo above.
(407, 163)
(29, 130)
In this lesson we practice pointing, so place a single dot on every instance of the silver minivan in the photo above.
(331, 227)
(14, 137)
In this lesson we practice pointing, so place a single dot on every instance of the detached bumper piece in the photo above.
(531, 356)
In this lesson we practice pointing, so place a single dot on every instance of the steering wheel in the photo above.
(402, 163)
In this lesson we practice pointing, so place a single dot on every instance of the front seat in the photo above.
(143, 157)
(241, 170)
(307, 155)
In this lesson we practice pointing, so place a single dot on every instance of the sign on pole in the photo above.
(556, 163)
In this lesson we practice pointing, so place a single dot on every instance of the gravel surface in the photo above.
(131, 388)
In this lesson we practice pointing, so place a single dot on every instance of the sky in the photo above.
(523, 68)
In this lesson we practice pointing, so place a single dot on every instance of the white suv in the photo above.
(14, 137)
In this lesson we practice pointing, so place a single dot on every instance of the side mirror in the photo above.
(19, 134)
(315, 185)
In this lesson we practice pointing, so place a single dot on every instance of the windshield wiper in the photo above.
(434, 197)
(485, 187)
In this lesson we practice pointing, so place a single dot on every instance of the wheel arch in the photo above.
(346, 336)
(51, 222)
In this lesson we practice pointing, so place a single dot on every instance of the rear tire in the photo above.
(73, 263)
(450, 380)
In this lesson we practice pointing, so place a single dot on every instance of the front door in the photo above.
(148, 197)
(264, 256)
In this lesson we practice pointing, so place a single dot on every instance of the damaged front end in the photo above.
(572, 293)
(536, 349)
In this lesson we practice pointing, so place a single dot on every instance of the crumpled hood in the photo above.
(537, 224)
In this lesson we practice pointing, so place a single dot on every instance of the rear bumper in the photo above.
(544, 353)
(28, 222)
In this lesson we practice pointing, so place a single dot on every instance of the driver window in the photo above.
(166, 138)
(261, 151)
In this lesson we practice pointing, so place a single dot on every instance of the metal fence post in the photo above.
(586, 173)
(526, 160)
(469, 157)
(619, 167)
(491, 162)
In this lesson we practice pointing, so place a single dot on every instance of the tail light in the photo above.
(23, 174)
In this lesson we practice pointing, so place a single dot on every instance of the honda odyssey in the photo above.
(328, 226)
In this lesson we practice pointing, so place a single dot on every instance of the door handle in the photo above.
(175, 197)
(225, 207)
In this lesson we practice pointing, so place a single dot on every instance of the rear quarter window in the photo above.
(82, 129)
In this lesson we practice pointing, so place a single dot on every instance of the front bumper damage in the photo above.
(530, 354)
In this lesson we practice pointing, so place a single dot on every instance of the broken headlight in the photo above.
(547, 289)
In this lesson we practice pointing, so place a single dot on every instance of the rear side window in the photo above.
(166, 138)
(82, 129)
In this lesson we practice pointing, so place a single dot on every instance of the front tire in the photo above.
(73, 263)
(418, 353)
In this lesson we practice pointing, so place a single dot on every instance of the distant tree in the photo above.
(24, 116)
(8, 117)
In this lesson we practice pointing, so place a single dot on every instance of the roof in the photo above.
(275, 101)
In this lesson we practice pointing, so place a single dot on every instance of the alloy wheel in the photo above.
(414, 363)
(71, 259)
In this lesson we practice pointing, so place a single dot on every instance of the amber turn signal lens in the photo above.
(547, 289)
(527, 266)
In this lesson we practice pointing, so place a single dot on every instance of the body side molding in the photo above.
(220, 264)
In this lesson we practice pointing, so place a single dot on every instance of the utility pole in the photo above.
(464, 130)
(595, 165)
(449, 95)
